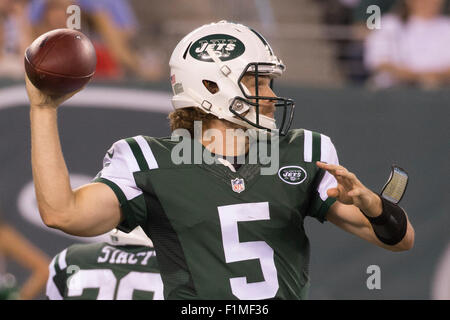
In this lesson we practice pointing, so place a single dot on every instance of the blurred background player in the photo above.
(14, 247)
(440, 289)
(124, 269)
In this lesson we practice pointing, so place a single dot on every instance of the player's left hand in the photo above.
(351, 191)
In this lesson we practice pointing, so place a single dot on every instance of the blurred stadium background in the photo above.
(382, 95)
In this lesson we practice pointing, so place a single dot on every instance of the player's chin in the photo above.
(268, 111)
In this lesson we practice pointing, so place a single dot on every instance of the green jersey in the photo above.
(8, 287)
(221, 233)
(102, 271)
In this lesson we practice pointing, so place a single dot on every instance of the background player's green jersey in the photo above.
(102, 271)
(221, 234)
(8, 287)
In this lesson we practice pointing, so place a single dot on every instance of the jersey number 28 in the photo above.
(106, 282)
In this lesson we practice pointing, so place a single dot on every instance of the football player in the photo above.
(221, 230)
(124, 269)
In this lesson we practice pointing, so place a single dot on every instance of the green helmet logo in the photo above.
(225, 46)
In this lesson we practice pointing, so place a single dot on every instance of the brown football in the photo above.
(60, 61)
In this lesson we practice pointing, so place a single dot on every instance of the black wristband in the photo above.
(390, 227)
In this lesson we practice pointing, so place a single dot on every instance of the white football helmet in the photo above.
(223, 53)
(137, 237)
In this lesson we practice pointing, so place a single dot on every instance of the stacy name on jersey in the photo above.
(113, 255)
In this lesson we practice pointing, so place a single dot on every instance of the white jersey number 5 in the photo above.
(238, 251)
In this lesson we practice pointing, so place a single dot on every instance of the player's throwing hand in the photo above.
(38, 99)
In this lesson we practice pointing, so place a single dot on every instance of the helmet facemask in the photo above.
(287, 106)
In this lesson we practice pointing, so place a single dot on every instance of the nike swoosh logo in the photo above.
(110, 154)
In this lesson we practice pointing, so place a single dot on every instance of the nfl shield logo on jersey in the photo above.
(238, 185)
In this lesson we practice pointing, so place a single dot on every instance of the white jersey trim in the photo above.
(52, 291)
(307, 146)
(328, 154)
(147, 152)
(125, 151)
(120, 168)
(62, 259)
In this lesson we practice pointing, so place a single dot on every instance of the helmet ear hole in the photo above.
(211, 86)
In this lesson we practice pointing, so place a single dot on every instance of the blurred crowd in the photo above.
(411, 47)
(110, 24)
